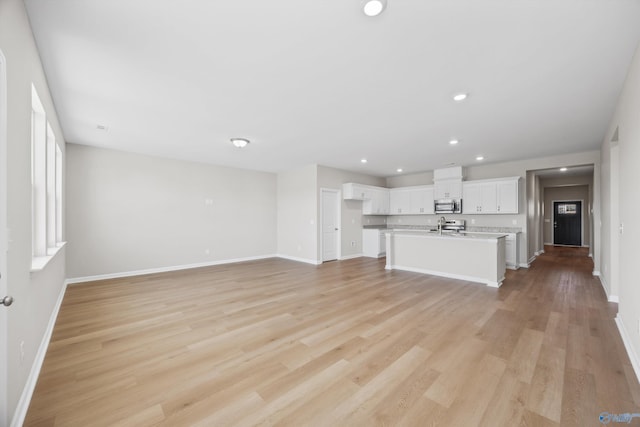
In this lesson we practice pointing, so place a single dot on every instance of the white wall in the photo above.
(298, 214)
(628, 125)
(129, 212)
(351, 210)
(35, 294)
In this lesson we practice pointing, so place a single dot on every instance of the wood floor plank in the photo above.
(276, 342)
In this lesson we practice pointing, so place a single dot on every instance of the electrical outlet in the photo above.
(473, 221)
(21, 352)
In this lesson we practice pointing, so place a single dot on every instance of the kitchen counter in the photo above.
(465, 256)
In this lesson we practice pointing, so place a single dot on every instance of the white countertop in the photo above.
(448, 235)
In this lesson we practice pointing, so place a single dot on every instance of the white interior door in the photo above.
(330, 224)
(3, 242)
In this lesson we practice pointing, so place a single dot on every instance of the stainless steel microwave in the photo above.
(448, 206)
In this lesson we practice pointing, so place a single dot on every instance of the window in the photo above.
(46, 186)
(568, 209)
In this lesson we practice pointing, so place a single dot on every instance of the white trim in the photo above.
(165, 269)
(338, 201)
(525, 265)
(39, 263)
(633, 357)
(27, 392)
(448, 275)
(605, 285)
(346, 257)
(305, 260)
(4, 244)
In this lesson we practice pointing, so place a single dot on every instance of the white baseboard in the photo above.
(605, 285)
(596, 273)
(305, 260)
(524, 265)
(633, 356)
(346, 257)
(73, 280)
(448, 275)
(29, 387)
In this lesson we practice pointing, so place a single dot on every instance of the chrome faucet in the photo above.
(441, 222)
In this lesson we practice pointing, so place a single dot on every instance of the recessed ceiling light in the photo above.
(460, 97)
(399, 170)
(453, 142)
(363, 161)
(374, 7)
(563, 169)
(479, 158)
(239, 142)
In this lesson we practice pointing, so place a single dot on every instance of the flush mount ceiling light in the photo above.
(563, 169)
(479, 158)
(103, 128)
(460, 97)
(374, 7)
(453, 142)
(363, 161)
(399, 170)
(239, 142)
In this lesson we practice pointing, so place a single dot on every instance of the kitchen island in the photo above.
(465, 256)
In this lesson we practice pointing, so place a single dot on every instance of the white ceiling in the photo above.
(319, 82)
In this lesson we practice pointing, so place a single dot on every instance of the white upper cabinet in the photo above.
(375, 200)
(412, 200)
(508, 196)
(400, 201)
(448, 189)
(378, 203)
(421, 200)
(490, 196)
(352, 191)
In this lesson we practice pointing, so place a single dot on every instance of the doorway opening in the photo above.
(567, 222)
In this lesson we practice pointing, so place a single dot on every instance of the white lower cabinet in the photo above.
(374, 242)
(512, 249)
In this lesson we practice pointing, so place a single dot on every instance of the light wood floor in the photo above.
(344, 343)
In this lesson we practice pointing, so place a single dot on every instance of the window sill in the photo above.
(40, 262)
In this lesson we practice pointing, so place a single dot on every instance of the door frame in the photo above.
(338, 196)
(4, 415)
(553, 220)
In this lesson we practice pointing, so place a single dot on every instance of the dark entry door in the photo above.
(567, 225)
